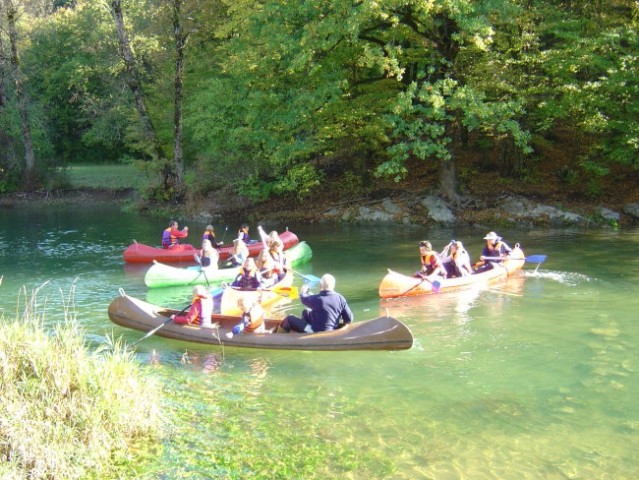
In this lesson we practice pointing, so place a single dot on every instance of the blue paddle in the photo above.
(530, 259)
(308, 277)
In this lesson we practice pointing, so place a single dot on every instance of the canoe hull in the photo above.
(162, 275)
(383, 333)
(141, 253)
(395, 284)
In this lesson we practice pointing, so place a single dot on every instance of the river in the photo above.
(536, 377)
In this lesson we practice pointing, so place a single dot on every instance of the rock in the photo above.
(438, 209)
(632, 209)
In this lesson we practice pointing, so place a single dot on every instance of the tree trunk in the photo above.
(3, 72)
(448, 180)
(133, 80)
(180, 44)
(29, 154)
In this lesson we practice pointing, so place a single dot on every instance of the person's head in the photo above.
(199, 291)
(209, 228)
(425, 246)
(244, 227)
(173, 224)
(249, 264)
(327, 282)
(492, 237)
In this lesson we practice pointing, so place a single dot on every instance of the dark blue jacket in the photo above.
(327, 308)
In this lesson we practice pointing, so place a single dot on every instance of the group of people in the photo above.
(454, 260)
(326, 310)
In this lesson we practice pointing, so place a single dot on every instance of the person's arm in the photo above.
(180, 233)
(347, 314)
(263, 236)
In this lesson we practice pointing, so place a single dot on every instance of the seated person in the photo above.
(239, 253)
(249, 276)
(209, 234)
(207, 257)
(456, 260)
(495, 251)
(324, 310)
(267, 240)
(200, 311)
(279, 259)
(171, 234)
(431, 263)
(252, 319)
(265, 264)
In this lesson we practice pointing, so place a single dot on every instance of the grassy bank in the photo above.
(67, 412)
(105, 177)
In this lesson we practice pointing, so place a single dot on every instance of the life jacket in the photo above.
(429, 261)
(495, 249)
(247, 279)
(167, 238)
(209, 235)
(253, 319)
(206, 308)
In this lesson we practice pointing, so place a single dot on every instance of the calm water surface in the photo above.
(533, 378)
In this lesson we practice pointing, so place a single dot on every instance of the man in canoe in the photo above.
(171, 234)
(324, 312)
(494, 248)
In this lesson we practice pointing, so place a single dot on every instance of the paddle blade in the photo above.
(289, 292)
(536, 258)
(436, 286)
(217, 292)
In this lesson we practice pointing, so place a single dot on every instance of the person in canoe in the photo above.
(268, 240)
(327, 310)
(239, 253)
(171, 235)
(431, 263)
(200, 311)
(279, 260)
(495, 248)
(252, 319)
(456, 260)
(209, 234)
(266, 265)
(243, 234)
(207, 257)
(249, 276)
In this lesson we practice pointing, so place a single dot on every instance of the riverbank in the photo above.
(485, 198)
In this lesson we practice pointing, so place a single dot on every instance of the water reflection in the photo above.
(536, 377)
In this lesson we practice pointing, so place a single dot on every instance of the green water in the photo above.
(533, 378)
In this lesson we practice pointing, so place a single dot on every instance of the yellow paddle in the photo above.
(289, 292)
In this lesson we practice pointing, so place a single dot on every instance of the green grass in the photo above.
(69, 412)
(108, 177)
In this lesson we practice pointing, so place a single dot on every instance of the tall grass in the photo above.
(67, 412)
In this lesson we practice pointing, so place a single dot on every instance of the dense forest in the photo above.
(275, 98)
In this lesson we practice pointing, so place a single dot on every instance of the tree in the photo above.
(12, 13)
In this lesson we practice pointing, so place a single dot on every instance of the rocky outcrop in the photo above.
(511, 209)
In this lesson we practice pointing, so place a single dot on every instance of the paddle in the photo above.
(308, 277)
(168, 320)
(290, 292)
(436, 285)
(226, 229)
(530, 259)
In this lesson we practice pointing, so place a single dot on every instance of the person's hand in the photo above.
(305, 288)
(172, 317)
(482, 258)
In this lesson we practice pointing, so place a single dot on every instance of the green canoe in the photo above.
(162, 275)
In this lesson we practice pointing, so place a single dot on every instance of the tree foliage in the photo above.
(278, 95)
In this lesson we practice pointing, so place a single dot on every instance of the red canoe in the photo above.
(140, 253)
